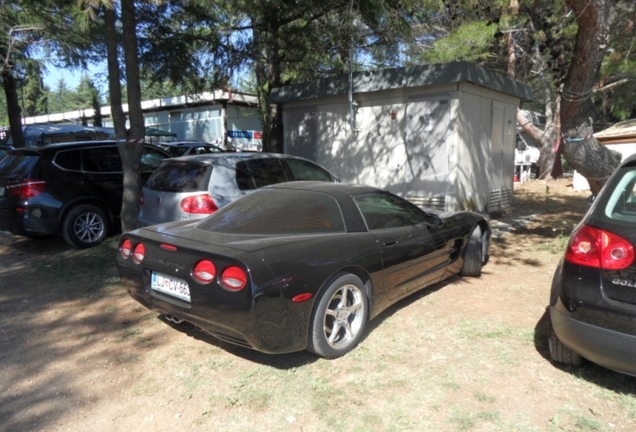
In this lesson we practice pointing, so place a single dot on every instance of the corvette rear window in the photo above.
(278, 212)
(180, 177)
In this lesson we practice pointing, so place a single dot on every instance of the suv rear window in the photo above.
(20, 164)
(180, 177)
(295, 212)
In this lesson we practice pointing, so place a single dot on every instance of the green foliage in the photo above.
(470, 42)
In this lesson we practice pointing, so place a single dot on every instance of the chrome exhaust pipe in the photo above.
(174, 319)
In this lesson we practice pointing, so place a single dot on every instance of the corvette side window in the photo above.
(382, 211)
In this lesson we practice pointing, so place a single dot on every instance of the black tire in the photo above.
(339, 317)
(85, 226)
(473, 256)
(560, 353)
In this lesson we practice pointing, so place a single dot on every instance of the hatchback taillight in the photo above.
(27, 188)
(199, 204)
(593, 247)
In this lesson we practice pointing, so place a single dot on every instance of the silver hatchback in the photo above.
(193, 187)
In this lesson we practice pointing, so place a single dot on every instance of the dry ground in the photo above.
(77, 354)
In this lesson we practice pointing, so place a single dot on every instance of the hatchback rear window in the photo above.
(278, 211)
(180, 177)
(621, 204)
(256, 173)
(18, 164)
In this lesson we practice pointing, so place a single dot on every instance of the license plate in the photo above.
(170, 285)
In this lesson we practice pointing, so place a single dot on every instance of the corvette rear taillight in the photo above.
(204, 271)
(199, 204)
(125, 248)
(234, 278)
(139, 253)
(27, 188)
(593, 247)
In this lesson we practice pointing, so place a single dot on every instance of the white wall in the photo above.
(432, 145)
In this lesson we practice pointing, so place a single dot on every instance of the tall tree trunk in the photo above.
(131, 149)
(13, 107)
(114, 77)
(594, 161)
(268, 76)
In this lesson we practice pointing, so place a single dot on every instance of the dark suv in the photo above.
(73, 188)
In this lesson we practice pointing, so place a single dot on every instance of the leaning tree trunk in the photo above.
(131, 149)
(594, 161)
(13, 108)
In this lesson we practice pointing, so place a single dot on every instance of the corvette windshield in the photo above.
(278, 211)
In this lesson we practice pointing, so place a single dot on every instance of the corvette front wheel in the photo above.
(339, 318)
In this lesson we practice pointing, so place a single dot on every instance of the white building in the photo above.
(439, 135)
(209, 117)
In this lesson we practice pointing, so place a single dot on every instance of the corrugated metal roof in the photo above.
(411, 76)
(622, 132)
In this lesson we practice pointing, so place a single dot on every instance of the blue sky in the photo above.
(72, 77)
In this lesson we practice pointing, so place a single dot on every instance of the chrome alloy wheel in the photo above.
(344, 316)
(89, 227)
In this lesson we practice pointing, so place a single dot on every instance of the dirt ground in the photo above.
(78, 354)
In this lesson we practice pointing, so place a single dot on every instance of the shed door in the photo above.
(301, 132)
(497, 146)
(503, 139)
(427, 123)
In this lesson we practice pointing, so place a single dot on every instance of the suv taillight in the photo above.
(593, 247)
(27, 188)
(199, 204)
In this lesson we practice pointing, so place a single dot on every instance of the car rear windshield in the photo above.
(181, 176)
(20, 164)
(276, 212)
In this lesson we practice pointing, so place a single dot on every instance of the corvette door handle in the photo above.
(390, 242)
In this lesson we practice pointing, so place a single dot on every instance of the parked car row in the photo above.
(75, 189)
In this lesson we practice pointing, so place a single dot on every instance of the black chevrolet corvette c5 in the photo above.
(301, 265)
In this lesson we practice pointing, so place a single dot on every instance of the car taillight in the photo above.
(204, 271)
(27, 188)
(234, 278)
(139, 253)
(199, 204)
(593, 247)
(126, 248)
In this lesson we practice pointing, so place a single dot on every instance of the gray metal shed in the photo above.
(442, 135)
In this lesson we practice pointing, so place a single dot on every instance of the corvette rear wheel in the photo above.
(339, 317)
(473, 257)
